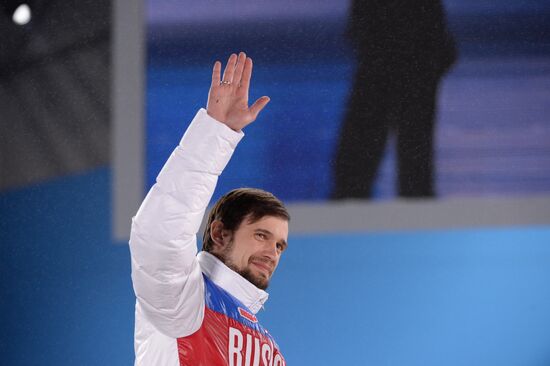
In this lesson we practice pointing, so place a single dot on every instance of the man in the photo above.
(200, 309)
(403, 50)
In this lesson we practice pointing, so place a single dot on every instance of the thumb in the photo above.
(258, 105)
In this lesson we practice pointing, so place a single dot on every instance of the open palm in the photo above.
(228, 96)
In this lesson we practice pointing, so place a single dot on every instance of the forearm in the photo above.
(176, 203)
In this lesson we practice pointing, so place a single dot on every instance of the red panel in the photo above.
(222, 341)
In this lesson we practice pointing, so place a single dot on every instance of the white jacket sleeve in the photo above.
(166, 276)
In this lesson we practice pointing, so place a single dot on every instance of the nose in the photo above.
(271, 251)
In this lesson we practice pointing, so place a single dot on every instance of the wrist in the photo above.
(223, 120)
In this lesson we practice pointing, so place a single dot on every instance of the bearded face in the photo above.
(254, 249)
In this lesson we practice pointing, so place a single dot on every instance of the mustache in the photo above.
(264, 260)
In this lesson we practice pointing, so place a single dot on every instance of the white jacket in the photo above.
(167, 273)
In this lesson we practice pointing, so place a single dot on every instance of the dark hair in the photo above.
(241, 203)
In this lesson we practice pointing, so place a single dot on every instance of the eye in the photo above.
(280, 247)
(261, 236)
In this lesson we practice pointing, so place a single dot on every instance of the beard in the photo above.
(259, 281)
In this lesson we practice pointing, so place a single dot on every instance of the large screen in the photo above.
(492, 130)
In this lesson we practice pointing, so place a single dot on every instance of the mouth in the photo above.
(263, 267)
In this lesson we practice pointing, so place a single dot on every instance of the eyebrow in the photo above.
(283, 241)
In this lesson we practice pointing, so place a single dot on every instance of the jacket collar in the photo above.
(251, 296)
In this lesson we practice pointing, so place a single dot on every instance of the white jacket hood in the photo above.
(238, 286)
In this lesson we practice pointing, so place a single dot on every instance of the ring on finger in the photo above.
(225, 82)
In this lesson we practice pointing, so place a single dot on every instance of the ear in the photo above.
(220, 236)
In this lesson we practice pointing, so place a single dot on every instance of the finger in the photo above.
(258, 105)
(216, 71)
(247, 74)
(239, 68)
(230, 68)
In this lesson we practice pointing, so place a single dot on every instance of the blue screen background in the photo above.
(452, 297)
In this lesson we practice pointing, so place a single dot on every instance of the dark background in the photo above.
(493, 135)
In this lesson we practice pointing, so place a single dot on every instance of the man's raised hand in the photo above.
(228, 96)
